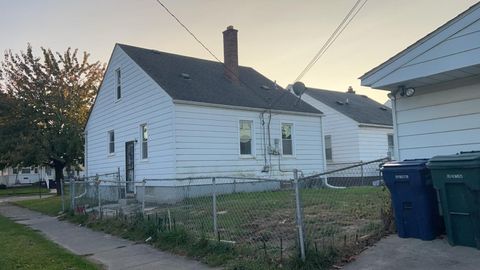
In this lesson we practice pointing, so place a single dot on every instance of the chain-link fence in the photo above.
(271, 217)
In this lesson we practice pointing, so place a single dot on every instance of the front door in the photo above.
(129, 165)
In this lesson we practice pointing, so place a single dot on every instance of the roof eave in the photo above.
(223, 106)
(416, 44)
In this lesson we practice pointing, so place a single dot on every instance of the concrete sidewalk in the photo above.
(394, 253)
(113, 252)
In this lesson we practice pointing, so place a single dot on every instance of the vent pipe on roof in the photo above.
(230, 53)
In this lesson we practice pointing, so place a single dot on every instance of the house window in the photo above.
(144, 136)
(26, 170)
(391, 145)
(48, 171)
(15, 170)
(246, 137)
(111, 142)
(118, 83)
(328, 148)
(36, 170)
(287, 139)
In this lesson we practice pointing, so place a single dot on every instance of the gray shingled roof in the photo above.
(208, 84)
(359, 107)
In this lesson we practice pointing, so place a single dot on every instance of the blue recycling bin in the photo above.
(414, 199)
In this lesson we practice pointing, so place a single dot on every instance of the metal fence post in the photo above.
(119, 185)
(143, 197)
(72, 193)
(362, 173)
(97, 182)
(214, 199)
(301, 239)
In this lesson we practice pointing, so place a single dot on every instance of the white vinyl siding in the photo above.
(143, 101)
(439, 120)
(373, 142)
(344, 132)
(207, 142)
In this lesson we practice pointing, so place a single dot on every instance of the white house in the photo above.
(356, 128)
(28, 175)
(161, 115)
(434, 86)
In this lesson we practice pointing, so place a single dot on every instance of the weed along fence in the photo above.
(258, 217)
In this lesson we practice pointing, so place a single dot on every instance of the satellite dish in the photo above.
(298, 88)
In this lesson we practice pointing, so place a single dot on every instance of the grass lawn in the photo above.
(22, 248)
(261, 224)
(28, 190)
(50, 206)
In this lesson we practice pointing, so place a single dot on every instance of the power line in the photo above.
(333, 37)
(212, 54)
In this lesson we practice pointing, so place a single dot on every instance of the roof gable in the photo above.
(360, 108)
(428, 47)
(197, 80)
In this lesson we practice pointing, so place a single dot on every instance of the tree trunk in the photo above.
(59, 176)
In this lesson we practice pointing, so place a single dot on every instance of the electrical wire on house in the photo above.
(333, 37)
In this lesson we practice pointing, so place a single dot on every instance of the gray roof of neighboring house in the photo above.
(208, 84)
(359, 107)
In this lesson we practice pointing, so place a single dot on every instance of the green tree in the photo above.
(44, 107)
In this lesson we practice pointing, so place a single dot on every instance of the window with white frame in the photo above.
(246, 137)
(328, 148)
(26, 170)
(118, 83)
(111, 142)
(144, 137)
(391, 146)
(15, 171)
(287, 139)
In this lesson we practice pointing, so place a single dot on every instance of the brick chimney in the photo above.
(350, 90)
(230, 53)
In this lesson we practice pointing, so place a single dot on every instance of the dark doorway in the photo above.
(130, 165)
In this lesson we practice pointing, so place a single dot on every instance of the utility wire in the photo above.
(213, 55)
(333, 37)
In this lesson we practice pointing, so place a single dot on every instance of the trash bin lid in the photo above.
(462, 160)
(420, 163)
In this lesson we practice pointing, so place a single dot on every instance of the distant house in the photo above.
(356, 128)
(162, 115)
(29, 175)
(434, 86)
(25, 175)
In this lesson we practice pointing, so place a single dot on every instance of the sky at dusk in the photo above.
(276, 37)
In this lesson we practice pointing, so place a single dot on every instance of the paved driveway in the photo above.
(394, 253)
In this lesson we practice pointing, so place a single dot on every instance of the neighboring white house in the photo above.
(28, 175)
(435, 89)
(161, 115)
(356, 128)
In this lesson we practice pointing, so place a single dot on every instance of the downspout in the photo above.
(396, 146)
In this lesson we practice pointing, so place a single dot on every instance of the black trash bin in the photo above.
(414, 199)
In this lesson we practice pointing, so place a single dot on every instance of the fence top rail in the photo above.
(380, 160)
(216, 178)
